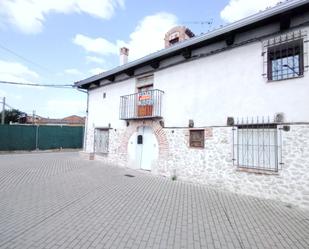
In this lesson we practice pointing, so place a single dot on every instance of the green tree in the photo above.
(12, 116)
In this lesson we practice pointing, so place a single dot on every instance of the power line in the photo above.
(199, 22)
(13, 108)
(208, 22)
(7, 105)
(24, 58)
(10, 107)
(38, 65)
(67, 86)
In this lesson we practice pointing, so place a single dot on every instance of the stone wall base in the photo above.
(213, 165)
(86, 155)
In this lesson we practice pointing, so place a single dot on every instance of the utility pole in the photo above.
(3, 111)
(33, 116)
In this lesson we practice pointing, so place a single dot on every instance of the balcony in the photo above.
(141, 105)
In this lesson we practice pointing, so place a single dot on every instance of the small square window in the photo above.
(197, 138)
(285, 61)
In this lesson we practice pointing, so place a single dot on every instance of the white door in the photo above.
(150, 148)
(146, 148)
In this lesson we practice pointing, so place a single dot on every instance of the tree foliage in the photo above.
(13, 116)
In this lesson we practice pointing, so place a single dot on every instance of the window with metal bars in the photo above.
(285, 56)
(257, 145)
(285, 60)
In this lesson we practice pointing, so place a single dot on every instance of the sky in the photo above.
(63, 41)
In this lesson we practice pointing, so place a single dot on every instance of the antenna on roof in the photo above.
(201, 23)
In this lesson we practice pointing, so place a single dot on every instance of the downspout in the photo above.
(86, 121)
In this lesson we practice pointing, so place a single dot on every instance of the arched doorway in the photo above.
(143, 148)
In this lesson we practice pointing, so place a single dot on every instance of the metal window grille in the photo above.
(197, 138)
(257, 144)
(101, 141)
(285, 56)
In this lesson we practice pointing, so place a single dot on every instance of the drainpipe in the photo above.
(86, 123)
(86, 120)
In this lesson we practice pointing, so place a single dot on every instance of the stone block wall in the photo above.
(206, 165)
(213, 164)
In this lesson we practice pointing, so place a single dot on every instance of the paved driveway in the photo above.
(58, 200)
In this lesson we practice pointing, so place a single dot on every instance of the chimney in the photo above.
(124, 53)
(177, 34)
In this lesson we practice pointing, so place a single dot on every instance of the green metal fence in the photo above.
(44, 137)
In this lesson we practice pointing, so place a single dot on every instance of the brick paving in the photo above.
(59, 200)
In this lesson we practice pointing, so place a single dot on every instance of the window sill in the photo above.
(283, 80)
(198, 148)
(257, 171)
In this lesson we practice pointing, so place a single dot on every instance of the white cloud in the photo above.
(238, 9)
(18, 97)
(95, 45)
(29, 15)
(94, 59)
(73, 71)
(17, 72)
(147, 37)
(97, 70)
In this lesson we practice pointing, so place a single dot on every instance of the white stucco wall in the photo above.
(103, 112)
(227, 84)
(209, 90)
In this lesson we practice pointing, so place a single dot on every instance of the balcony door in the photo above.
(145, 101)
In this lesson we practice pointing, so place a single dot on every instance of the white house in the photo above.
(229, 108)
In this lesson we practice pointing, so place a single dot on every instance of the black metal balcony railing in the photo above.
(141, 105)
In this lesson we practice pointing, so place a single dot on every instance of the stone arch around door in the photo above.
(158, 131)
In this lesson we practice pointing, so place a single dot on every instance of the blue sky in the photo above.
(74, 39)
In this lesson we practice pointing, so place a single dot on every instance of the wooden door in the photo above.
(145, 101)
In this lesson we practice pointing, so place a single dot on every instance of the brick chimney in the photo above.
(177, 34)
(124, 54)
